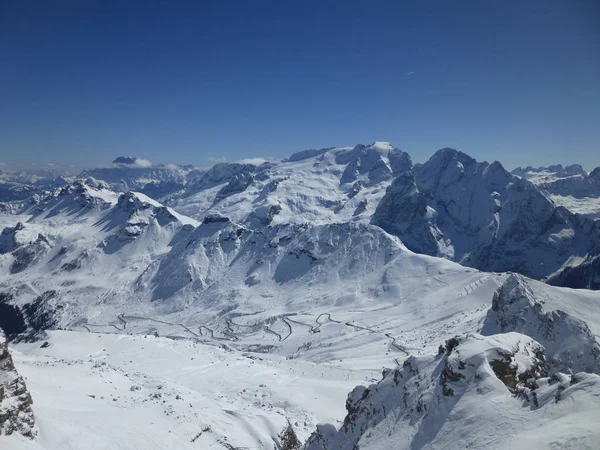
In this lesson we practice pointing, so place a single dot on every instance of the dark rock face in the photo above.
(11, 317)
(403, 211)
(125, 160)
(223, 172)
(8, 240)
(215, 218)
(16, 414)
(26, 255)
(41, 314)
(239, 183)
(585, 275)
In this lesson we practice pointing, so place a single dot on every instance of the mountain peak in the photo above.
(132, 160)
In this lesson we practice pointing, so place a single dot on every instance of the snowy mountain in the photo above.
(541, 312)
(239, 310)
(537, 343)
(318, 187)
(136, 174)
(543, 175)
(570, 187)
(480, 215)
(478, 392)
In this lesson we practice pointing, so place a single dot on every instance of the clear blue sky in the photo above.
(185, 81)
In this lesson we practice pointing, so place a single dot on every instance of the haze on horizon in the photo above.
(184, 83)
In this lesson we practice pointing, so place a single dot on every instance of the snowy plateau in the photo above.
(340, 299)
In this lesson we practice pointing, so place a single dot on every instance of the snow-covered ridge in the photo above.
(452, 401)
(554, 318)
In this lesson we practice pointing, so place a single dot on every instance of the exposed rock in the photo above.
(403, 211)
(26, 255)
(11, 317)
(238, 183)
(568, 341)
(16, 415)
(454, 397)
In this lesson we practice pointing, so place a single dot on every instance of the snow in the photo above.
(113, 391)
(586, 206)
(263, 292)
(457, 400)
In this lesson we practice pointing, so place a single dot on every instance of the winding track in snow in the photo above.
(231, 335)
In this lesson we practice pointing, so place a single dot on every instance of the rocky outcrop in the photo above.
(568, 341)
(454, 397)
(16, 414)
(238, 183)
(221, 173)
(29, 254)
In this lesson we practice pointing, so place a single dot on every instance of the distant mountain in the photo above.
(548, 174)
(480, 215)
(571, 187)
(128, 173)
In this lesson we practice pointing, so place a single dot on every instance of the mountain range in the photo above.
(455, 275)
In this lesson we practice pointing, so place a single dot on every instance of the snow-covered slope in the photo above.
(555, 317)
(478, 392)
(477, 214)
(333, 185)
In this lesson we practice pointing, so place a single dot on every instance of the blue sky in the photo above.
(187, 82)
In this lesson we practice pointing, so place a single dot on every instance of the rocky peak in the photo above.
(16, 415)
(416, 403)
(126, 160)
(568, 340)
